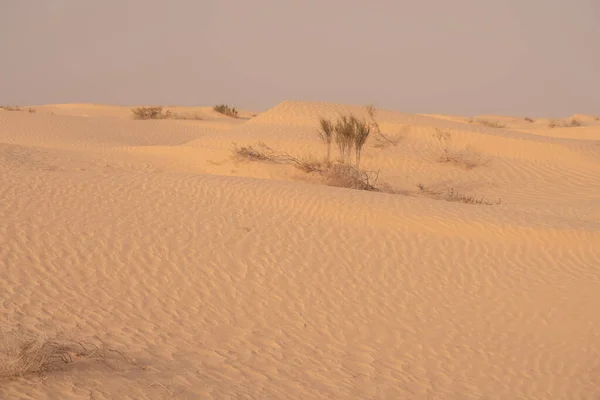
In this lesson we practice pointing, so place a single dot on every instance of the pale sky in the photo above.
(466, 57)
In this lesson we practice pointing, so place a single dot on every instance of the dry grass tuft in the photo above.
(465, 158)
(23, 354)
(381, 140)
(11, 108)
(159, 113)
(573, 122)
(449, 194)
(339, 174)
(530, 120)
(488, 123)
(150, 113)
(226, 110)
(349, 176)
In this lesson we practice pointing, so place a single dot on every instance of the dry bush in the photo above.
(529, 119)
(337, 174)
(466, 158)
(150, 113)
(31, 110)
(262, 152)
(11, 108)
(187, 117)
(23, 354)
(349, 176)
(348, 132)
(449, 194)
(226, 110)
(382, 140)
(488, 123)
(573, 122)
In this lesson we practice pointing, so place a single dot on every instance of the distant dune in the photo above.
(474, 273)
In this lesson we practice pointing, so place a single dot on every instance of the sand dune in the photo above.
(221, 278)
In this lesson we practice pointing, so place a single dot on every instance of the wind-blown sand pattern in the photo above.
(224, 279)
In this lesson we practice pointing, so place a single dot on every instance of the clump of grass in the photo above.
(326, 131)
(226, 110)
(23, 354)
(351, 177)
(31, 110)
(530, 120)
(450, 194)
(488, 123)
(465, 158)
(188, 117)
(339, 174)
(571, 123)
(11, 108)
(348, 132)
(150, 113)
(382, 140)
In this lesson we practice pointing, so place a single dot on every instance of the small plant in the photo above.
(490, 124)
(381, 140)
(31, 110)
(452, 195)
(348, 132)
(11, 108)
(337, 174)
(226, 110)
(22, 354)
(325, 132)
(571, 123)
(466, 158)
(530, 120)
(150, 113)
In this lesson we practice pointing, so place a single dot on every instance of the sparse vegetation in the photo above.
(160, 113)
(325, 132)
(381, 140)
(348, 132)
(150, 113)
(22, 354)
(31, 110)
(485, 122)
(571, 123)
(339, 173)
(11, 108)
(450, 194)
(530, 120)
(226, 110)
(466, 158)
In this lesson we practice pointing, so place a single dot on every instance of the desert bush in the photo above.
(31, 110)
(226, 110)
(466, 158)
(188, 117)
(571, 123)
(339, 174)
(450, 194)
(529, 119)
(490, 124)
(150, 113)
(325, 132)
(349, 176)
(381, 140)
(11, 108)
(348, 132)
(22, 354)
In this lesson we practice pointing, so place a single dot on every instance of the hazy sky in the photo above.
(519, 57)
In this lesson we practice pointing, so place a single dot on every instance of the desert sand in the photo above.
(221, 278)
